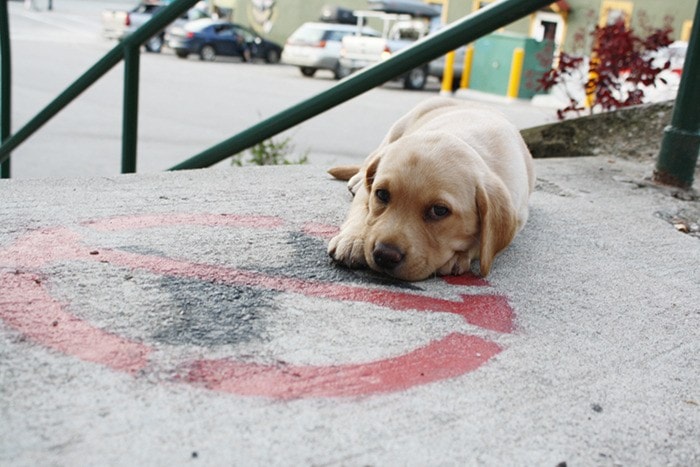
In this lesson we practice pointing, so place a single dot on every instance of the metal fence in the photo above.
(675, 165)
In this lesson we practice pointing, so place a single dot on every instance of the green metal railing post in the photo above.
(6, 86)
(681, 141)
(464, 31)
(131, 108)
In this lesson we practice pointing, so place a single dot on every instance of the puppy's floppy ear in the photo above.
(371, 171)
(498, 221)
(344, 172)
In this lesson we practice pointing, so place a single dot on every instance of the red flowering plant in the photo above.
(621, 65)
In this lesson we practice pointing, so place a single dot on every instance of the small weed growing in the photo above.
(270, 152)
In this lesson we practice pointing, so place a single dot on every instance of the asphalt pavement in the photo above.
(193, 318)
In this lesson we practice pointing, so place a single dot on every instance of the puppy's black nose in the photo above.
(387, 256)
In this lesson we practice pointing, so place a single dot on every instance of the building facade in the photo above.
(568, 22)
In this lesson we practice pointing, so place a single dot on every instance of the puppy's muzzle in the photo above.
(387, 256)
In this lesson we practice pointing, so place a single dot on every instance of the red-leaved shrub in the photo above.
(621, 63)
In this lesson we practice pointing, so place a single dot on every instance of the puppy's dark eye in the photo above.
(438, 211)
(382, 195)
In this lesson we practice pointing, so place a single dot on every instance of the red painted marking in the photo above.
(323, 231)
(467, 279)
(41, 247)
(487, 311)
(45, 246)
(451, 356)
(26, 306)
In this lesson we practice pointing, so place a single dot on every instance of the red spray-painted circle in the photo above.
(27, 307)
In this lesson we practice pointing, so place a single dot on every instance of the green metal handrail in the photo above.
(680, 145)
(127, 50)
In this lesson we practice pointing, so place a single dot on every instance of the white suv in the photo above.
(316, 46)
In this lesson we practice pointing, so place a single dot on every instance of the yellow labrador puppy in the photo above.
(449, 184)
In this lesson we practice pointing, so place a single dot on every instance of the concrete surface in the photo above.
(194, 318)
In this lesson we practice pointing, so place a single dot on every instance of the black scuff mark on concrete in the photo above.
(210, 314)
(309, 261)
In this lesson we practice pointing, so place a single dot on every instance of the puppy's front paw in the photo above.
(457, 265)
(348, 250)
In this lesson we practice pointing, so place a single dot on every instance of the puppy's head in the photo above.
(433, 206)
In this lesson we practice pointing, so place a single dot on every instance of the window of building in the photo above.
(548, 26)
(613, 11)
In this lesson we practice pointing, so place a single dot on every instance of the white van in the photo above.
(316, 46)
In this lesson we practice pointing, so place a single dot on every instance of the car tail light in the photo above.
(386, 53)
(319, 44)
(189, 34)
(127, 20)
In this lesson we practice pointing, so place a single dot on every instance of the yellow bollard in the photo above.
(448, 73)
(589, 102)
(467, 68)
(516, 71)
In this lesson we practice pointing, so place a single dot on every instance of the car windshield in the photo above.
(223, 30)
(147, 8)
(336, 35)
(198, 25)
(195, 14)
(307, 35)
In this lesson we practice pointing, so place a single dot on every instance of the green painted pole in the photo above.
(6, 83)
(681, 140)
(130, 116)
(464, 31)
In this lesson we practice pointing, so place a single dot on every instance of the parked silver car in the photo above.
(316, 46)
(118, 24)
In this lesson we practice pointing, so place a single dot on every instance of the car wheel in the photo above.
(456, 81)
(154, 44)
(272, 56)
(340, 71)
(416, 78)
(307, 71)
(207, 53)
(181, 53)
